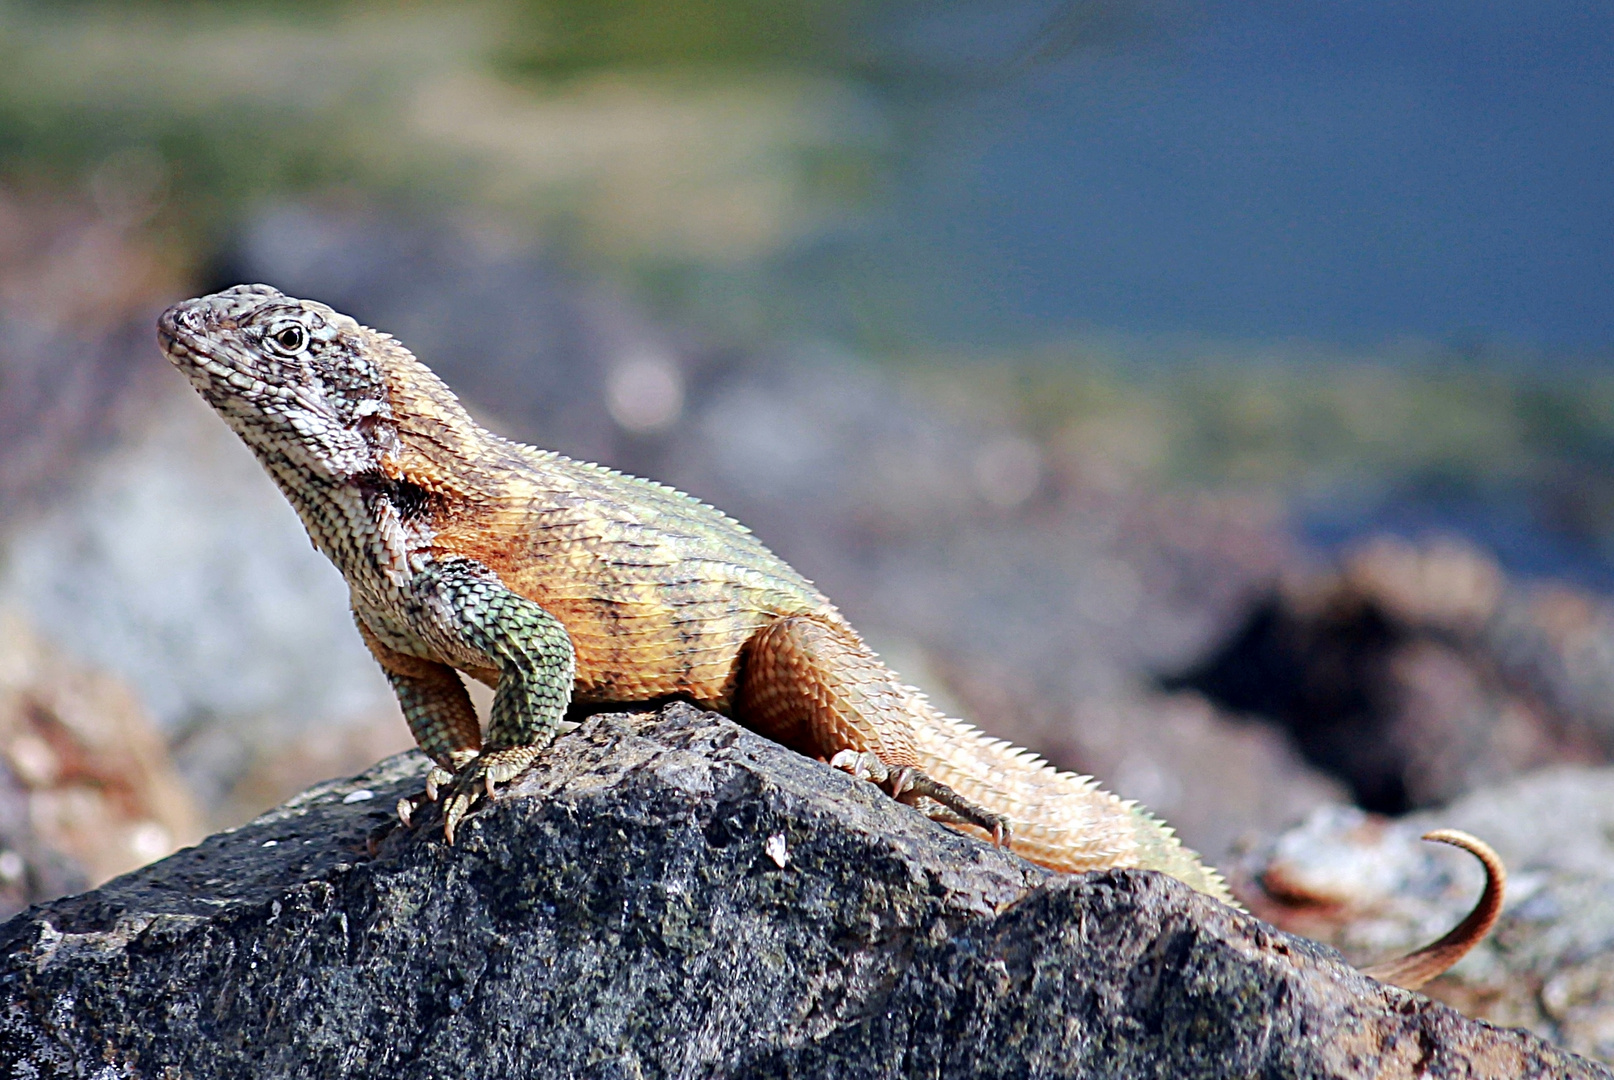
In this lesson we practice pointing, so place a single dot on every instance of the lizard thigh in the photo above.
(816, 688)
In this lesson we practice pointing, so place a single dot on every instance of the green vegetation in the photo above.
(1331, 432)
(1267, 420)
(637, 159)
(695, 149)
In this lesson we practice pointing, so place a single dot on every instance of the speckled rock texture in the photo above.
(669, 895)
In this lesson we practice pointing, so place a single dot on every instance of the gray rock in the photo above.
(667, 894)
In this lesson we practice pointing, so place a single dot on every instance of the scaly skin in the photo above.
(555, 581)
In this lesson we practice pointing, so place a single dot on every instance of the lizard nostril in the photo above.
(179, 317)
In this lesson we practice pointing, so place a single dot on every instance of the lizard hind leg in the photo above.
(816, 687)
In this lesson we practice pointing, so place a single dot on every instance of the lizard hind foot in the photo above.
(909, 785)
(477, 779)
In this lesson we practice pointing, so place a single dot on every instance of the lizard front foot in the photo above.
(907, 785)
(477, 777)
(434, 780)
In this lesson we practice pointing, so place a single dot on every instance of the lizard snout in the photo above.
(189, 320)
(180, 319)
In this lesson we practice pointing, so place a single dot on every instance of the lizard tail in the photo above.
(1057, 819)
(1061, 820)
(811, 683)
(1416, 968)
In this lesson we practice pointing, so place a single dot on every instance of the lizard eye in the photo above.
(291, 338)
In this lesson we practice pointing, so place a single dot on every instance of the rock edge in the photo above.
(667, 894)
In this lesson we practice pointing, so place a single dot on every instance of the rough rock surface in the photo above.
(667, 894)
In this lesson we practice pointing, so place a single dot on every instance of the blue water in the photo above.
(1354, 172)
(1511, 526)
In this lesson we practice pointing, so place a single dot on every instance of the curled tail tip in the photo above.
(1475, 847)
(1413, 970)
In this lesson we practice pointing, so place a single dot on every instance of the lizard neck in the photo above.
(435, 436)
(377, 526)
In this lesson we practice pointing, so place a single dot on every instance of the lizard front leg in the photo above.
(818, 689)
(533, 655)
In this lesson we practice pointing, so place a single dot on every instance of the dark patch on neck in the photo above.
(412, 501)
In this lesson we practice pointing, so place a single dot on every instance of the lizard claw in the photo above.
(435, 779)
(477, 778)
(899, 784)
(908, 785)
(858, 764)
(1000, 831)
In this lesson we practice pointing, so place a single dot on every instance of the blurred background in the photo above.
(1215, 397)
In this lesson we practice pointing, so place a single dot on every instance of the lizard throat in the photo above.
(376, 531)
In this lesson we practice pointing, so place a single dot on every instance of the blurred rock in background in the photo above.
(1419, 672)
(77, 284)
(174, 563)
(87, 788)
(1368, 886)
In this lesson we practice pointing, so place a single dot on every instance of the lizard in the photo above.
(556, 582)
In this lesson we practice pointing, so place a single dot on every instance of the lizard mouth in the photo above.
(181, 333)
(195, 336)
(183, 328)
(211, 342)
(177, 331)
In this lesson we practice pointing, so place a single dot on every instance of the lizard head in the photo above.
(295, 379)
